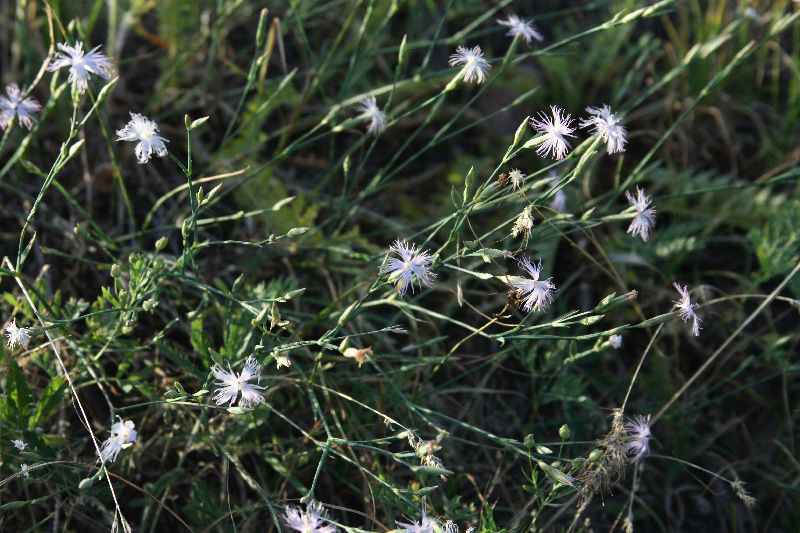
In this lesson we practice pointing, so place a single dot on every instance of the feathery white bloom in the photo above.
(310, 521)
(638, 430)
(19, 444)
(537, 294)
(24, 469)
(523, 224)
(142, 129)
(426, 525)
(411, 265)
(521, 27)
(122, 436)
(645, 219)
(554, 130)
(231, 384)
(24, 108)
(686, 312)
(615, 341)
(81, 66)
(517, 178)
(17, 336)
(475, 66)
(606, 125)
(371, 112)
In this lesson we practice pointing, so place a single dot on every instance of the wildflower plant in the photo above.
(18, 105)
(81, 65)
(412, 266)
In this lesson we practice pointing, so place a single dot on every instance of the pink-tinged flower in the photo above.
(685, 311)
(554, 130)
(231, 384)
(19, 444)
(606, 125)
(17, 336)
(24, 108)
(521, 27)
(475, 66)
(411, 265)
(81, 65)
(310, 521)
(645, 219)
(537, 294)
(144, 130)
(638, 431)
(122, 436)
(372, 113)
(426, 525)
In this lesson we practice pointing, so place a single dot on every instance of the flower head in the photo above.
(371, 112)
(523, 224)
(411, 265)
(606, 125)
(521, 27)
(645, 218)
(615, 341)
(685, 311)
(426, 525)
(17, 336)
(475, 66)
(310, 521)
(231, 384)
(537, 294)
(122, 436)
(80, 65)
(517, 179)
(638, 431)
(24, 108)
(19, 444)
(25, 468)
(554, 131)
(142, 129)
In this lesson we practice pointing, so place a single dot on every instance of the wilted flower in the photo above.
(411, 265)
(606, 125)
(686, 312)
(282, 360)
(523, 224)
(371, 112)
(24, 108)
(231, 384)
(17, 336)
(537, 294)
(521, 27)
(310, 521)
(615, 341)
(742, 493)
(122, 436)
(645, 218)
(80, 65)
(516, 178)
(475, 66)
(554, 130)
(638, 431)
(426, 525)
(19, 444)
(142, 129)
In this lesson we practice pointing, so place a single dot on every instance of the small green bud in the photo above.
(564, 432)
(238, 283)
(346, 164)
(149, 305)
(612, 302)
(261, 318)
(161, 243)
(401, 55)
(521, 131)
(344, 344)
(76, 147)
(296, 232)
(116, 271)
(197, 123)
(529, 441)
(595, 456)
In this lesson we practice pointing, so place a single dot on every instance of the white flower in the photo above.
(371, 112)
(282, 360)
(142, 129)
(231, 384)
(537, 294)
(122, 436)
(17, 336)
(523, 224)
(24, 469)
(80, 65)
(426, 525)
(615, 341)
(554, 130)
(521, 27)
(310, 521)
(645, 218)
(517, 179)
(411, 265)
(606, 125)
(19, 444)
(638, 430)
(686, 312)
(25, 109)
(475, 66)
